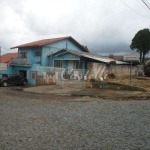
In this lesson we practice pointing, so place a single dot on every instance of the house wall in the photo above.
(54, 47)
(31, 54)
(46, 50)
(7, 71)
(67, 56)
(16, 69)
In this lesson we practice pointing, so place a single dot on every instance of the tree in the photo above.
(141, 43)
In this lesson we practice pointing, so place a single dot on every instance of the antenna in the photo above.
(66, 45)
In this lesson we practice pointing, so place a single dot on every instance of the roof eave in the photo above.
(86, 50)
(24, 46)
(67, 37)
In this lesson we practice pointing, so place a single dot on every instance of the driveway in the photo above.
(30, 121)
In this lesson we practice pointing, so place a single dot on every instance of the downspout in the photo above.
(40, 56)
(79, 65)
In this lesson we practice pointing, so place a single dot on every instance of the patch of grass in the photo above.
(136, 81)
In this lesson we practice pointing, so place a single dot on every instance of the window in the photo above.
(11, 76)
(4, 75)
(23, 54)
(33, 75)
(37, 53)
(58, 63)
(15, 71)
(17, 76)
(79, 65)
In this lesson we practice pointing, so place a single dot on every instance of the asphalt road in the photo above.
(30, 121)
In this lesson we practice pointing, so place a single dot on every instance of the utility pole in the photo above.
(146, 4)
(131, 73)
(0, 60)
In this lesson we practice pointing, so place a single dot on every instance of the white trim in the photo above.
(80, 62)
(54, 63)
(35, 75)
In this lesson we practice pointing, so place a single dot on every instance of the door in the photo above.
(23, 73)
(70, 63)
(70, 66)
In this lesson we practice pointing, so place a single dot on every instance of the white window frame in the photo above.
(32, 75)
(23, 54)
(60, 65)
(38, 53)
(79, 62)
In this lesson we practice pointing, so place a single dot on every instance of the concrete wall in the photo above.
(100, 71)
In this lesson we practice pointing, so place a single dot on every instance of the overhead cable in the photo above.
(134, 10)
(142, 6)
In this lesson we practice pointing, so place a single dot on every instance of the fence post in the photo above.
(131, 73)
(0, 60)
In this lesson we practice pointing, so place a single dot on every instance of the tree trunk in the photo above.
(140, 57)
(143, 58)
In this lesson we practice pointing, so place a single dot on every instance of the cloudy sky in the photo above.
(104, 26)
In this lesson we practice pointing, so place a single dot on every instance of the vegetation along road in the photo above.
(45, 122)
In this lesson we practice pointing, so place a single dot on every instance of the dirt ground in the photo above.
(141, 81)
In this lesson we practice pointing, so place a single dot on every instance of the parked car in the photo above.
(147, 72)
(6, 79)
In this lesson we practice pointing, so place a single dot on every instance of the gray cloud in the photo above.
(105, 27)
(110, 49)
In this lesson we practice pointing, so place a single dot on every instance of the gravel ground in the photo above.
(30, 121)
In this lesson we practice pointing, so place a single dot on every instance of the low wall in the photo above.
(52, 75)
(100, 71)
(47, 79)
(112, 86)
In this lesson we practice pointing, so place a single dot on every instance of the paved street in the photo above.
(30, 121)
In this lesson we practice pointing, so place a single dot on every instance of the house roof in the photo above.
(48, 41)
(93, 56)
(6, 57)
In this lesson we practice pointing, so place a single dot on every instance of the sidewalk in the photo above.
(91, 92)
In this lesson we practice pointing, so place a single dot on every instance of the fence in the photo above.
(100, 71)
(20, 61)
(53, 75)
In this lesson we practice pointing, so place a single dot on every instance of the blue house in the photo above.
(55, 52)
(42, 60)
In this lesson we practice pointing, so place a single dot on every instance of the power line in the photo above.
(142, 6)
(146, 4)
(134, 10)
